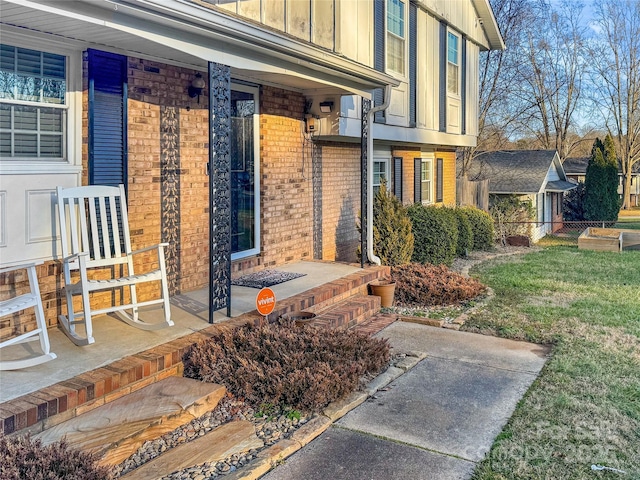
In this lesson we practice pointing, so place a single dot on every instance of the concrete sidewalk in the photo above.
(434, 422)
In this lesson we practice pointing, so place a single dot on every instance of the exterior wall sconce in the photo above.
(326, 107)
(196, 87)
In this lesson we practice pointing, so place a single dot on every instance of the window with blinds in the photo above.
(33, 107)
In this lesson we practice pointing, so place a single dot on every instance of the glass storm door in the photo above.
(245, 193)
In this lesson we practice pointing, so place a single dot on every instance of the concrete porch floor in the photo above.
(116, 340)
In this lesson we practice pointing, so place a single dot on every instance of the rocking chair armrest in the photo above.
(146, 249)
(74, 256)
(21, 266)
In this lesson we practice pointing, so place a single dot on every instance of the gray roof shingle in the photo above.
(512, 171)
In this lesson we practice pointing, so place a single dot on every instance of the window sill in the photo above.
(49, 168)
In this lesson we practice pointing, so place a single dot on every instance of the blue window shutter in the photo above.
(413, 51)
(107, 118)
(417, 180)
(397, 177)
(463, 86)
(439, 179)
(379, 33)
(443, 77)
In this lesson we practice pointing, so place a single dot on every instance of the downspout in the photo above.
(387, 99)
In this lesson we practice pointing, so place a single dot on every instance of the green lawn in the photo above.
(584, 408)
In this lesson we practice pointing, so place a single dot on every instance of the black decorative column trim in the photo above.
(170, 192)
(316, 180)
(219, 188)
(364, 159)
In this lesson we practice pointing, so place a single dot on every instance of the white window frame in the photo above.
(457, 65)
(72, 161)
(256, 173)
(388, 33)
(430, 181)
(386, 173)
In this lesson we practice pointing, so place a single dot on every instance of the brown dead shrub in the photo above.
(419, 285)
(22, 458)
(298, 367)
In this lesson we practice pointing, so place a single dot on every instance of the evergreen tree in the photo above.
(601, 200)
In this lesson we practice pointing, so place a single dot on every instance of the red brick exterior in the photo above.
(288, 162)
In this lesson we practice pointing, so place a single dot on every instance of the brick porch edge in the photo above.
(52, 405)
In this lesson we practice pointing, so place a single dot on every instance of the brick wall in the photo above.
(449, 177)
(285, 188)
(340, 167)
(408, 155)
(449, 174)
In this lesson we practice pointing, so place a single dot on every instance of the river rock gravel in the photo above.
(270, 426)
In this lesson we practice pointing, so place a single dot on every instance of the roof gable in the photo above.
(515, 171)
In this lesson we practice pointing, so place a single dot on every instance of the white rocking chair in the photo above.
(94, 229)
(18, 303)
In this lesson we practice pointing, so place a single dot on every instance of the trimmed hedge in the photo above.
(465, 233)
(435, 230)
(482, 226)
(22, 458)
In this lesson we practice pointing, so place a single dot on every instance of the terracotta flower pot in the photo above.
(384, 290)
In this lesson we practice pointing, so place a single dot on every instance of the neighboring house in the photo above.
(533, 175)
(143, 93)
(576, 170)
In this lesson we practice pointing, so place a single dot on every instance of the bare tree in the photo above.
(551, 83)
(498, 72)
(616, 63)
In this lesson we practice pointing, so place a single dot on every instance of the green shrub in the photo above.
(22, 458)
(465, 233)
(392, 237)
(428, 285)
(482, 226)
(436, 234)
(303, 368)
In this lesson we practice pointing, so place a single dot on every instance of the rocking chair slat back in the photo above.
(97, 224)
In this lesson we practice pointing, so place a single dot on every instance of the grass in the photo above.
(584, 408)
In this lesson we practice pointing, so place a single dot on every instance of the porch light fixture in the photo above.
(196, 87)
(326, 107)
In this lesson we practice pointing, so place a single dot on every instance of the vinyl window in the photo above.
(453, 63)
(33, 104)
(396, 36)
(426, 180)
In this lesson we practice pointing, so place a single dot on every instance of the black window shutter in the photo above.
(443, 77)
(413, 51)
(107, 118)
(397, 177)
(463, 86)
(417, 180)
(379, 33)
(439, 180)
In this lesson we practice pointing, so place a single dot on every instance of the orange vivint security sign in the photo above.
(265, 301)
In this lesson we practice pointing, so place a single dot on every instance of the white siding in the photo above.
(354, 34)
(473, 52)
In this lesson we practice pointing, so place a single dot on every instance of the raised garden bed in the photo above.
(609, 239)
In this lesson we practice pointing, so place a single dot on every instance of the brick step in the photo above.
(347, 313)
(229, 439)
(117, 429)
(320, 298)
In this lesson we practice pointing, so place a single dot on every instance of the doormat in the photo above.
(188, 304)
(265, 278)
